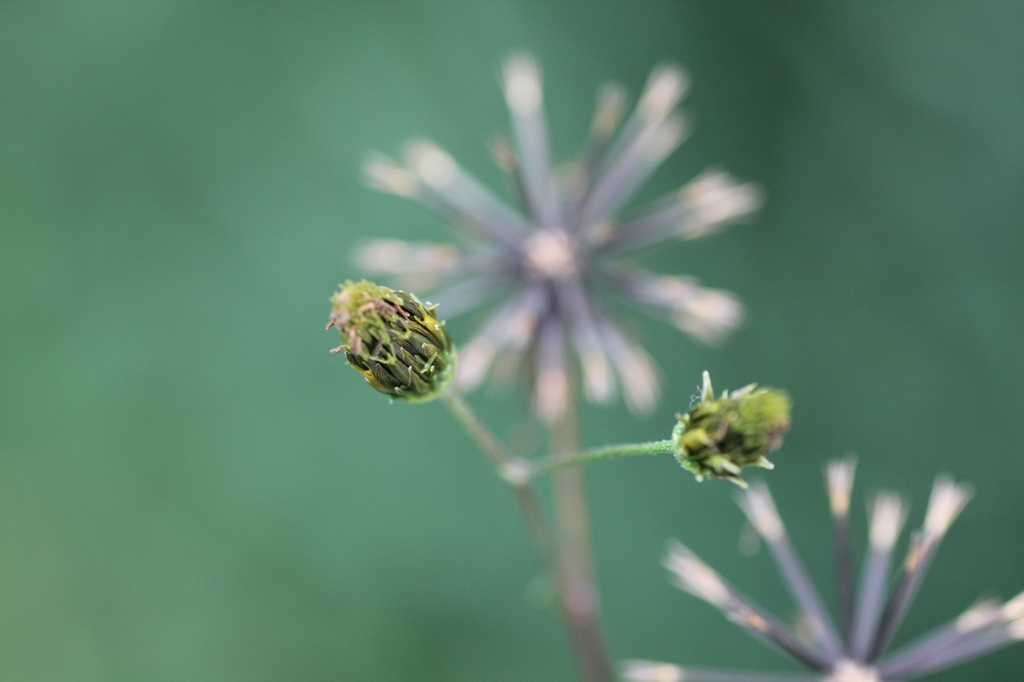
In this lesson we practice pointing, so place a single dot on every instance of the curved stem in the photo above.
(658, 447)
(567, 560)
(515, 472)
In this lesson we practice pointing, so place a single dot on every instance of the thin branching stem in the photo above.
(546, 464)
(512, 469)
(567, 560)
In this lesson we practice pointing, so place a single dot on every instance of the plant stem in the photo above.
(515, 472)
(579, 599)
(658, 447)
(568, 561)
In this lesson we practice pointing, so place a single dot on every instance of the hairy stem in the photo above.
(541, 466)
(579, 599)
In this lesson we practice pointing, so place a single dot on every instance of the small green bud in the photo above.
(720, 436)
(393, 339)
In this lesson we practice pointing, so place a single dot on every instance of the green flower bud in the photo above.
(718, 437)
(393, 339)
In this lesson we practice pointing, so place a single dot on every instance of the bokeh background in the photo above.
(192, 488)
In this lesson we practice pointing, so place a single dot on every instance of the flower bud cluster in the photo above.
(720, 436)
(393, 340)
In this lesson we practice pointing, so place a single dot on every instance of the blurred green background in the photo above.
(192, 488)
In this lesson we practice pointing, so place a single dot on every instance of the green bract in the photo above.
(393, 340)
(720, 436)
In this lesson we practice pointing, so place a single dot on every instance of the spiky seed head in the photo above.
(393, 340)
(720, 436)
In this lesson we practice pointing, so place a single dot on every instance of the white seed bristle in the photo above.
(977, 616)
(887, 517)
(674, 290)
(665, 88)
(708, 314)
(474, 359)
(759, 506)
(947, 501)
(849, 671)
(716, 197)
(665, 138)
(1016, 629)
(552, 394)
(384, 255)
(652, 671)
(839, 474)
(696, 577)
(431, 163)
(394, 256)
(639, 379)
(522, 84)
(1014, 608)
(598, 383)
(382, 173)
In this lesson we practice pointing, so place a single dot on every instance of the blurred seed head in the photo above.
(859, 652)
(553, 251)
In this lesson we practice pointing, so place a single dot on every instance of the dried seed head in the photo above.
(393, 340)
(720, 436)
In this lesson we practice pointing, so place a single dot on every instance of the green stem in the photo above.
(546, 464)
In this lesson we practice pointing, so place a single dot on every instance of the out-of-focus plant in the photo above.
(403, 351)
(551, 258)
(564, 243)
(855, 651)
